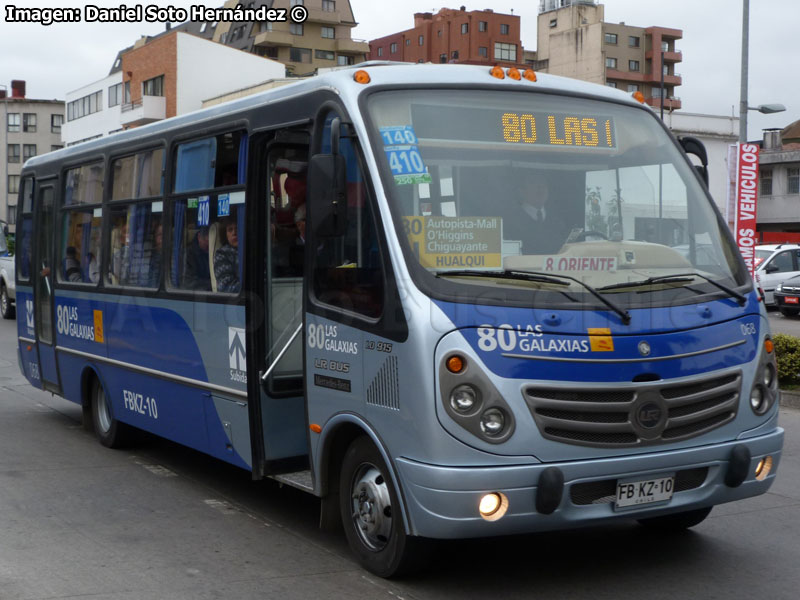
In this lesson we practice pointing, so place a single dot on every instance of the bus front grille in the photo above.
(636, 415)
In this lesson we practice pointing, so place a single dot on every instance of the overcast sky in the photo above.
(59, 58)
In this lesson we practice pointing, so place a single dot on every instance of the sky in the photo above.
(59, 58)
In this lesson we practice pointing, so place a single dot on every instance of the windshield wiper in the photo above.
(679, 278)
(504, 275)
(543, 278)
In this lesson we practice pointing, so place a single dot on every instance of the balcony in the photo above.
(144, 111)
(671, 103)
(348, 46)
(669, 57)
(637, 76)
(327, 17)
(275, 38)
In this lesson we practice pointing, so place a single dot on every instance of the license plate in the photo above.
(646, 491)
(791, 299)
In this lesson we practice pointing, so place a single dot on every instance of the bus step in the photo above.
(299, 479)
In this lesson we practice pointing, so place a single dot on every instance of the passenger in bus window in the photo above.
(93, 268)
(120, 253)
(72, 266)
(226, 259)
(153, 272)
(197, 275)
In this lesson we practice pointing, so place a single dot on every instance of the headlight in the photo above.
(764, 393)
(464, 399)
(757, 402)
(779, 288)
(768, 377)
(493, 421)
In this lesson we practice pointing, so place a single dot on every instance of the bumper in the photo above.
(442, 502)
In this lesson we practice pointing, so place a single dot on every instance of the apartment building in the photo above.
(575, 41)
(454, 36)
(779, 180)
(322, 41)
(159, 78)
(30, 127)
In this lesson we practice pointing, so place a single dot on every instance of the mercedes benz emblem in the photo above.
(644, 348)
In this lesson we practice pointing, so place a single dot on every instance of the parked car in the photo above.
(775, 263)
(7, 286)
(787, 297)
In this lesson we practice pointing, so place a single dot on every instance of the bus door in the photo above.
(43, 272)
(278, 348)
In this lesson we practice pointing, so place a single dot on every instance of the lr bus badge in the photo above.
(644, 348)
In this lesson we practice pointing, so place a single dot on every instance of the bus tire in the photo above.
(6, 310)
(677, 521)
(110, 432)
(371, 514)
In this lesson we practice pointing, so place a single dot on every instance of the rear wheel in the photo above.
(371, 514)
(789, 312)
(6, 310)
(677, 521)
(110, 432)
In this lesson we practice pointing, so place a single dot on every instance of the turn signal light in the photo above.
(361, 76)
(639, 97)
(455, 364)
(769, 346)
(514, 73)
(315, 428)
(497, 72)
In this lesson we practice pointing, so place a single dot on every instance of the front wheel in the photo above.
(677, 521)
(110, 432)
(6, 310)
(371, 514)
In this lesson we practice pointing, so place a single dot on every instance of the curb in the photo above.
(790, 399)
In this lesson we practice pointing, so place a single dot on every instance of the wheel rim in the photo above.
(103, 412)
(371, 507)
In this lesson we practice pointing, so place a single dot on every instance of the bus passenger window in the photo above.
(136, 246)
(80, 247)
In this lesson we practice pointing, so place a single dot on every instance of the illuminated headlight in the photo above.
(463, 399)
(493, 421)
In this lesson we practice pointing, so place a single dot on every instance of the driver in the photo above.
(538, 222)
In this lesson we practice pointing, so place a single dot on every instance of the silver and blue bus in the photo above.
(449, 301)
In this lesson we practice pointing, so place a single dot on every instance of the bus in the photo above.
(448, 300)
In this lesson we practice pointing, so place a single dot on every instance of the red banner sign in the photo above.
(746, 203)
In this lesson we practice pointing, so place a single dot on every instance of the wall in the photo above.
(100, 123)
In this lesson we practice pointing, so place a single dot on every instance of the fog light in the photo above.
(463, 399)
(493, 506)
(493, 421)
(757, 402)
(763, 468)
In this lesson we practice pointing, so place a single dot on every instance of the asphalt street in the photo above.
(161, 522)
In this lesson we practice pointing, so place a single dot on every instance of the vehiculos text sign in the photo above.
(746, 201)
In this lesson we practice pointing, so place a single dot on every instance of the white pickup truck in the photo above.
(7, 287)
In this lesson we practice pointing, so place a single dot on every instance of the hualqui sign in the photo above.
(456, 242)
(746, 202)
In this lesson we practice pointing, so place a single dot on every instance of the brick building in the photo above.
(458, 36)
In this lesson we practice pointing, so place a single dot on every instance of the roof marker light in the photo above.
(639, 97)
(529, 74)
(497, 72)
(514, 73)
(361, 76)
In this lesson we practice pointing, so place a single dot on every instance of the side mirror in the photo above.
(327, 194)
(771, 268)
(691, 145)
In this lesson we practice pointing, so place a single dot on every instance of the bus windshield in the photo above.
(497, 182)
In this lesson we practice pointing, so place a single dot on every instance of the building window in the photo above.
(223, 38)
(344, 61)
(657, 92)
(504, 29)
(793, 181)
(271, 52)
(454, 55)
(665, 69)
(300, 55)
(633, 41)
(766, 182)
(29, 122)
(115, 95)
(408, 42)
(483, 51)
(324, 54)
(505, 51)
(611, 63)
(483, 25)
(380, 50)
(296, 28)
(553, 23)
(28, 151)
(13, 184)
(633, 87)
(464, 28)
(665, 46)
(203, 26)
(13, 153)
(393, 48)
(633, 65)
(439, 33)
(154, 86)
(611, 84)
(126, 92)
(611, 38)
(329, 5)
(297, 3)
(85, 106)
(56, 121)
(329, 33)
(54, 147)
(266, 26)
(13, 122)
(443, 58)
(421, 40)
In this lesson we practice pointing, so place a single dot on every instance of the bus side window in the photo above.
(136, 246)
(348, 271)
